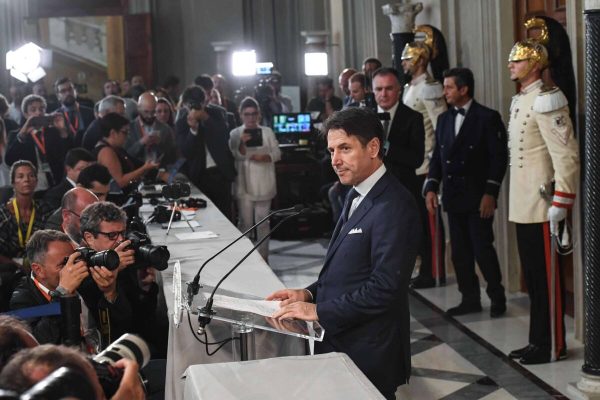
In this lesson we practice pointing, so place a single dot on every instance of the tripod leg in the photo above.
(172, 215)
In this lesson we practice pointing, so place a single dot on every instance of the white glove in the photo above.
(555, 215)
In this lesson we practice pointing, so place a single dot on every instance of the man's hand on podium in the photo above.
(295, 304)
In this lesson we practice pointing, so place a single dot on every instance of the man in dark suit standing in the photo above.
(361, 295)
(203, 139)
(469, 160)
(404, 133)
(77, 117)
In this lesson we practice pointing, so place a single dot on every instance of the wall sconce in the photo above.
(316, 60)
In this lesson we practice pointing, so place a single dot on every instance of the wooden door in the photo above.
(138, 47)
(525, 9)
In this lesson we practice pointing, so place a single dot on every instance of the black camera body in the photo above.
(176, 190)
(107, 258)
(162, 215)
(147, 254)
(193, 202)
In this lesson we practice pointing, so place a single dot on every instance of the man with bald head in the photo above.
(343, 81)
(148, 137)
(66, 218)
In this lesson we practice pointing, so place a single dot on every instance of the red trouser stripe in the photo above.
(558, 319)
(434, 244)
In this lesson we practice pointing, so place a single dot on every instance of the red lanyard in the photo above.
(41, 144)
(74, 128)
(41, 289)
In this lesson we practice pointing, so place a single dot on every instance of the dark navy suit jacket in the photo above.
(406, 147)
(362, 290)
(470, 164)
(214, 134)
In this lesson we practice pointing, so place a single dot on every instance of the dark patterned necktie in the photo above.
(352, 194)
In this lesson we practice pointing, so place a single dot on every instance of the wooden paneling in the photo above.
(138, 47)
(75, 8)
(115, 48)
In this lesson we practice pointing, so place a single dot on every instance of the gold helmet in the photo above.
(414, 51)
(532, 51)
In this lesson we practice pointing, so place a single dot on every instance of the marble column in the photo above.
(402, 16)
(588, 386)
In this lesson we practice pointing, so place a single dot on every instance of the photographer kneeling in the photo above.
(57, 271)
(103, 227)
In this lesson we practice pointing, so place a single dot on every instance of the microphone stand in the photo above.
(194, 285)
(205, 319)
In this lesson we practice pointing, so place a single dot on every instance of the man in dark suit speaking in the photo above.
(361, 295)
(469, 160)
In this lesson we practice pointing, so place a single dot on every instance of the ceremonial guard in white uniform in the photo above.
(544, 174)
(425, 94)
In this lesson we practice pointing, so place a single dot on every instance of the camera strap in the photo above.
(43, 289)
(18, 218)
(41, 141)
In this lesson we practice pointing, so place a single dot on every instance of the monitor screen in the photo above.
(291, 123)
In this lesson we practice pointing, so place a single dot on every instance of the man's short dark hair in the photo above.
(205, 82)
(170, 81)
(386, 71)
(62, 81)
(193, 96)
(356, 121)
(360, 78)
(12, 331)
(94, 173)
(373, 60)
(37, 246)
(112, 121)
(462, 77)
(17, 374)
(102, 211)
(77, 154)
(3, 106)
(325, 81)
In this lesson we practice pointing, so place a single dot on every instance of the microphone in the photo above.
(204, 320)
(194, 285)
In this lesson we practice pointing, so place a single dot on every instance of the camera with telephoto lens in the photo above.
(147, 254)
(107, 258)
(176, 190)
(127, 346)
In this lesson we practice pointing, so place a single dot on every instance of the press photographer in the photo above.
(58, 272)
(103, 227)
(37, 364)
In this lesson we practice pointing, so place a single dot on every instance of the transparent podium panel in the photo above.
(252, 312)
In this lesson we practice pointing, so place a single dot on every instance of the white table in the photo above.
(253, 277)
(331, 376)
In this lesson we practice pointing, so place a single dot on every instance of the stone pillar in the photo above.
(588, 386)
(402, 15)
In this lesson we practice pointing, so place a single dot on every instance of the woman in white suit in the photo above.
(256, 151)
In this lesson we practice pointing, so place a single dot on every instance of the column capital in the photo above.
(402, 15)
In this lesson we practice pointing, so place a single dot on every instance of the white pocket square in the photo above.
(355, 230)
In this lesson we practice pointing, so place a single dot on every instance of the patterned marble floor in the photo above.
(453, 359)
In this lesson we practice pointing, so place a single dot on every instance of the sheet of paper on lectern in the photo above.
(261, 307)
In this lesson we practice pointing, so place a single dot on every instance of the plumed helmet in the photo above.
(530, 50)
(554, 37)
(432, 48)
